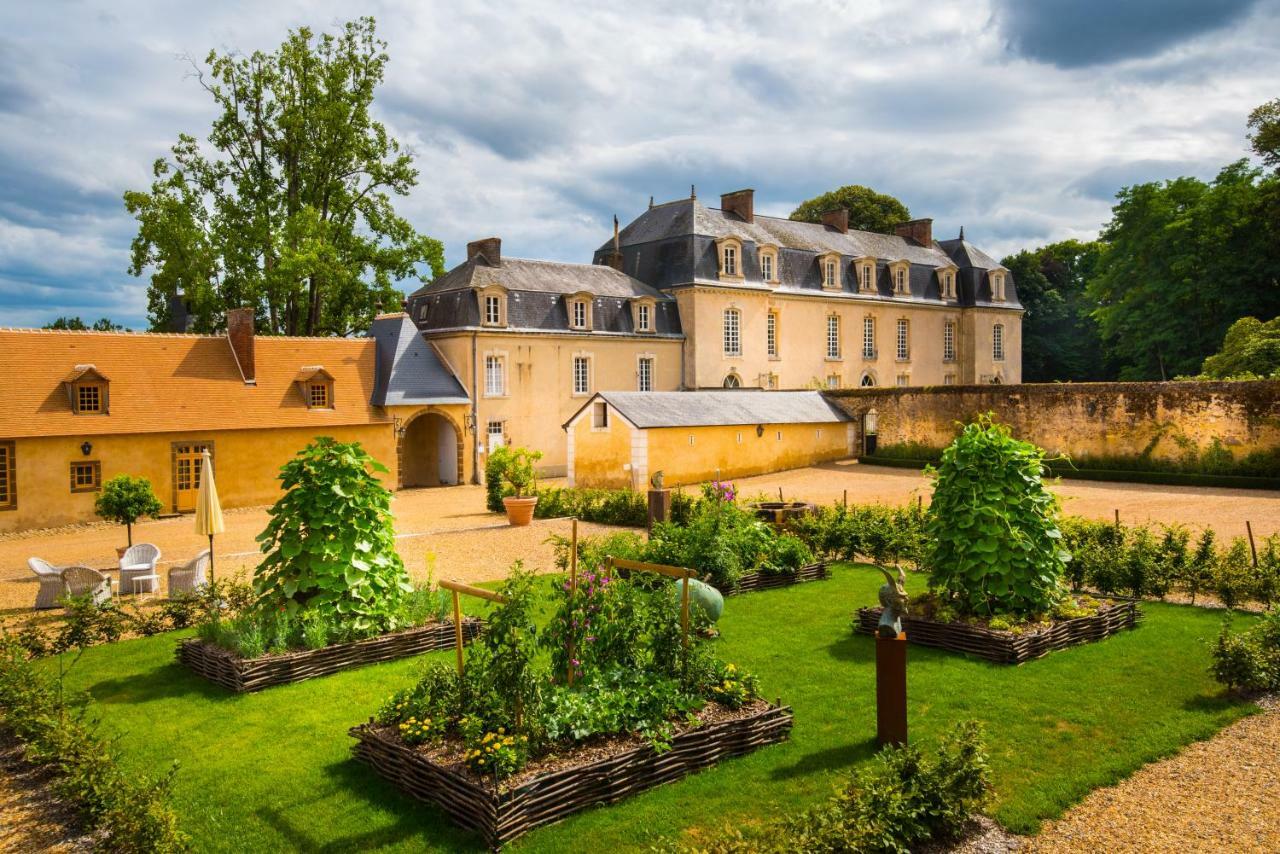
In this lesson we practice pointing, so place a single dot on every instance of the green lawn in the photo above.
(272, 771)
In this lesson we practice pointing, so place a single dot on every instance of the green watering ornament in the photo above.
(704, 597)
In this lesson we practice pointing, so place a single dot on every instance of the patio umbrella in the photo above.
(208, 510)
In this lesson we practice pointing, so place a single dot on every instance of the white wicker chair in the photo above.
(50, 576)
(83, 580)
(189, 577)
(139, 560)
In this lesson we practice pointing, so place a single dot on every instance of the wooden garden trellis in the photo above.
(457, 588)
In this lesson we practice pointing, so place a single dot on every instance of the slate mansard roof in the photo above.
(538, 296)
(408, 369)
(646, 409)
(673, 244)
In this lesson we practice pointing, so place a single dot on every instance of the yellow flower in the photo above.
(481, 761)
(501, 731)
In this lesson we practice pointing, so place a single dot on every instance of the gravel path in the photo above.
(1217, 795)
(32, 818)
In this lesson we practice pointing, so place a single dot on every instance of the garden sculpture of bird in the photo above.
(893, 596)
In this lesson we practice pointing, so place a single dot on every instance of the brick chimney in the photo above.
(919, 230)
(488, 250)
(740, 202)
(240, 334)
(837, 219)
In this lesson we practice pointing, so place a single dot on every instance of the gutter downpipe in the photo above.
(475, 412)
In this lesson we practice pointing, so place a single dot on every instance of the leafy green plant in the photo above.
(996, 546)
(904, 798)
(124, 500)
(1249, 660)
(1202, 566)
(330, 543)
(513, 468)
(1233, 576)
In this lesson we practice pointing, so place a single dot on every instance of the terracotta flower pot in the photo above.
(519, 510)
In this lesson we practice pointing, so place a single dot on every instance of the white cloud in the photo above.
(536, 121)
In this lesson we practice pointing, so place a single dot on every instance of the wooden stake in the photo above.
(1252, 548)
(573, 592)
(684, 610)
(1117, 517)
(846, 499)
(780, 494)
(457, 628)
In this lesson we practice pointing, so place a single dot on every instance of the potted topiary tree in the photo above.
(515, 467)
(124, 500)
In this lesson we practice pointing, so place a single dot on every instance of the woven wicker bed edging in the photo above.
(753, 581)
(1005, 648)
(225, 668)
(500, 817)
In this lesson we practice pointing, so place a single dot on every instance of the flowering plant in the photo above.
(496, 752)
(721, 491)
(733, 688)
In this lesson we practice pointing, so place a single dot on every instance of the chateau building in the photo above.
(777, 304)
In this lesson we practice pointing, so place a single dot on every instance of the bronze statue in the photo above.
(893, 596)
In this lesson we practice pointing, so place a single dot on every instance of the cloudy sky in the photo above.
(537, 121)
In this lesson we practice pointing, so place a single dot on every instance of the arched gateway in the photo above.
(430, 451)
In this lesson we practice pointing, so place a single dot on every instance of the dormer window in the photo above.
(729, 250)
(87, 391)
(947, 282)
(829, 266)
(580, 311)
(768, 263)
(643, 315)
(866, 274)
(900, 275)
(316, 385)
(493, 307)
(997, 286)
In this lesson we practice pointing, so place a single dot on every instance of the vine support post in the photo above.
(457, 629)
(1253, 549)
(1117, 518)
(573, 593)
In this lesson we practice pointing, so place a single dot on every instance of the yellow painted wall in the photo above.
(245, 463)
(599, 456)
(540, 398)
(734, 451)
(802, 340)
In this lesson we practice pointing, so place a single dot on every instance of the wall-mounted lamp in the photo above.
(759, 431)
(86, 448)
(469, 423)
(398, 425)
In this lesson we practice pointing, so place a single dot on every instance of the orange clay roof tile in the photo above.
(177, 383)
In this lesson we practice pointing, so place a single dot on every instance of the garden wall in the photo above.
(1166, 422)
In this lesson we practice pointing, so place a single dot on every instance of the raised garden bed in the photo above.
(767, 580)
(502, 813)
(1006, 647)
(225, 668)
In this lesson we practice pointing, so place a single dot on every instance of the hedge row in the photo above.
(1162, 478)
(131, 812)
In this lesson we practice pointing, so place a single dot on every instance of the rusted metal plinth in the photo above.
(891, 690)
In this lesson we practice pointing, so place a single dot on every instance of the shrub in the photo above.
(996, 546)
(130, 811)
(1233, 578)
(509, 471)
(902, 799)
(1250, 660)
(330, 543)
(124, 500)
(605, 506)
(1202, 565)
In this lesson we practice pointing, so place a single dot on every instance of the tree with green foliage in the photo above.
(330, 544)
(1060, 338)
(287, 206)
(1250, 350)
(102, 324)
(997, 548)
(124, 500)
(1264, 124)
(868, 210)
(1184, 259)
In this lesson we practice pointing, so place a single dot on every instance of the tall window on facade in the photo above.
(422, 313)
(771, 334)
(8, 486)
(997, 342)
(492, 310)
(949, 341)
(730, 260)
(495, 376)
(868, 337)
(766, 266)
(581, 375)
(829, 274)
(644, 374)
(600, 415)
(833, 336)
(732, 332)
(642, 318)
(900, 280)
(904, 340)
(579, 314)
(997, 287)
(868, 270)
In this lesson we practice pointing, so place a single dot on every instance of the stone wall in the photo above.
(1158, 421)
